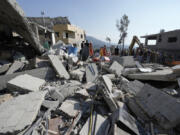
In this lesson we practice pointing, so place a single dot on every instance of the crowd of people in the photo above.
(143, 55)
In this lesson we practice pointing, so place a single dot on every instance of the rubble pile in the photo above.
(55, 95)
(58, 94)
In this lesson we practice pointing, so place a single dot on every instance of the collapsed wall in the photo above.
(13, 16)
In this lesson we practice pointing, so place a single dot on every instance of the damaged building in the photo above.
(58, 94)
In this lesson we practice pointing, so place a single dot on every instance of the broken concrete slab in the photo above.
(4, 68)
(25, 83)
(108, 83)
(162, 107)
(71, 107)
(142, 69)
(50, 104)
(91, 72)
(127, 71)
(133, 87)
(99, 125)
(16, 20)
(107, 94)
(158, 75)
(42, 73)
(78, 74)
(5, 97)
(15, 66)
(125, 61)
(116, 68)
(59, 67)
(125, 121)
(176, 70)
(20, 112)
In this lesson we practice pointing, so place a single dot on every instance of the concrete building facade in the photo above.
(69, 34)
(168, 42)
(63, 29)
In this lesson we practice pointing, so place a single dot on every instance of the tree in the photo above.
(108, 39)
(122, 26)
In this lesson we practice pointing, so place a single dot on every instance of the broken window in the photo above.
(172, 39)
(67, 35)
(81, 36)
(151, 42)
(57, 34)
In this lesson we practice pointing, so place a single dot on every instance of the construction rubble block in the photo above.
(125, 61)
(158, 75)
(133, 87)
(25, 83)
(99, 125)
(42, 73)
(116, 68)
(4, 67)
(20, 112)
(78, 74)
(71, 107)
(160, 106)
(125, 121)
(59, 67)
(15, 66)
(91, 72)
(107, 93)
(16, 20)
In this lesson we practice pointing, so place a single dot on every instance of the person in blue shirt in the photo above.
(73, 50)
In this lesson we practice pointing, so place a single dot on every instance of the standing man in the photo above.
(85, 51)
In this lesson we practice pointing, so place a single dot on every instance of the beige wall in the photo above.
(69, 34)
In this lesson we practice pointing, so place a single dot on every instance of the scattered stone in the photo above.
(25, 83)
(20, 112)
(59, 67)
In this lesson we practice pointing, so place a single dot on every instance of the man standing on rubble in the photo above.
(85, 51)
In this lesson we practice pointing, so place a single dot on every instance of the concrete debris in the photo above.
(42, 73)
(4, 68)
(124, 119)
(70, 107)
(116, 68)
(25, 83)
(57, 93)
(5, 97)
(125, 61)
(149, 99)
(20, 112)
(158, 75)
(15, 66)
(78, 74)
(57, 64)
(98, 125)
(91, 72)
